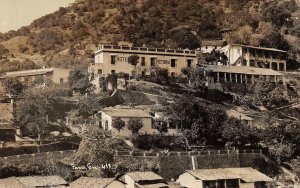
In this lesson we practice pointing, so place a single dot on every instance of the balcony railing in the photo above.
(145, 49)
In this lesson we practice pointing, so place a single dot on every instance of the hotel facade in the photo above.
(114, 59)
(249, 56)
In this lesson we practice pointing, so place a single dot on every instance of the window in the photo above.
(113, 71)
(113, 59)
(99, 71)
(106, 125)
(173, 62)
(61, 80)
(152, 61)
(143, 63)
(189, 63)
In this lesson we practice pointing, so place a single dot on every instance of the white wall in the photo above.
(129, 182)
(189, 181)
(146, 129)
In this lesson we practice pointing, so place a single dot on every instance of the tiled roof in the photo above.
(213, 43)
(259, 48)
(141, 176)
(156, 185)
(32, 181)
(91, 182)
(39, 181)
(238, 115)
(126, 112)
(244, 70)
(32, 72)
(246, 174)
(11, 183)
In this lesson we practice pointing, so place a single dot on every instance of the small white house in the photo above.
(144, 180)
(224, 177)
(108, 115)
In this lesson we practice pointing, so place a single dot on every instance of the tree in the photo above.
(35, 107)
(13, 86)
(275, 39)
(280, 150)
(135, 125)
(118, 124)
(237, 132)
(295, 163)
(242, 36)
(200, 121)
(197, 77)
(133, 60)
(159, 75)
(95, 150)
(161, 127)
(79, 80)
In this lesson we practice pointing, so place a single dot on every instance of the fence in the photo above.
(35, 156)
(189, 153)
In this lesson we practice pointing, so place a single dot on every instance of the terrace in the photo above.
(145, 50)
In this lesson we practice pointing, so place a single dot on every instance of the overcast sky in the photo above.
(17, 13)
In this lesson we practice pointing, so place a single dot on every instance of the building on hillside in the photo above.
(238, 115)
(208, 46)
(91, 182)
(109, 114)
(143, 180)
(57, 75)
(236, 74)
(251, 56)
(7, 129)
(160, 119)
(114, 59)
(33, 182)
(224, 177)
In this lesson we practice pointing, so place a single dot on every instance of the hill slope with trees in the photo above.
(74, 31)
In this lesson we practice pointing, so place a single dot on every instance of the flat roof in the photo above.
(126, 112)
(31, 72)
(248, 175)
(91, 182)
(145, 50)
(243, 70)
(260, 48)
(33, 181)
(143, 176)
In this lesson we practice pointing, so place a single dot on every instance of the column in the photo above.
(246, 79)
(236, 78)
(284, 66)
(241, 75)
(275, 78)
(278, 66)
(248, 59)
(218, 77)
(252, 79)
(230, 77)
(225, 77)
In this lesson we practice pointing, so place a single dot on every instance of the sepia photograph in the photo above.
(149, 93)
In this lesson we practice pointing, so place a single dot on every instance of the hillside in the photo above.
(71, 33)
